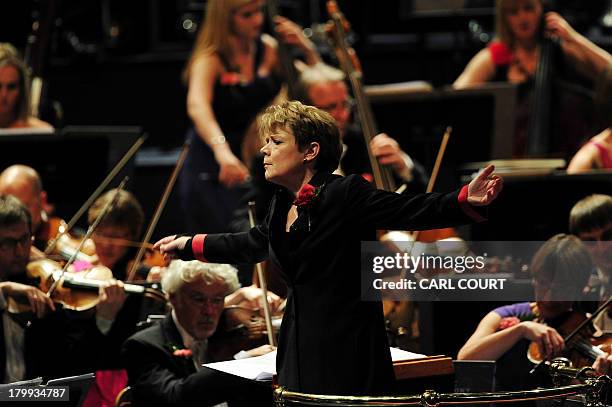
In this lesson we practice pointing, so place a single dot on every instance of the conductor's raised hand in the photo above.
(484, 188)
(170, 246)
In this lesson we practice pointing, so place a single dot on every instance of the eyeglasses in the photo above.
(344, 105)
(9, 244)
(201, 301)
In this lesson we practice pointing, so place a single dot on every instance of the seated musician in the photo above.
(591, 220)
(15, 92)
(514, 55)
(561, 269)
(92, 339)
(324, 87)
(117, 232)
(15, 241)
(24, 183)
(164, 361)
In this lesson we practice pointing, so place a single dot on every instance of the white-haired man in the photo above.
(164, 361)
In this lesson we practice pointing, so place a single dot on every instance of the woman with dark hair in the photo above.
(331, 342)
(561, 269)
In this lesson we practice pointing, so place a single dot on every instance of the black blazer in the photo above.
(158, 378)
(330, 341)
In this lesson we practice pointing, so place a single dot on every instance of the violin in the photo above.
(48, 230)
(150, 258)
(77, 291)
(240, 328)
(67, 246)
(583, 341)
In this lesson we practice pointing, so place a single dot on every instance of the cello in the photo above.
(538, 135)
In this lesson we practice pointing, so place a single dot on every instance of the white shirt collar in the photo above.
(188, 340)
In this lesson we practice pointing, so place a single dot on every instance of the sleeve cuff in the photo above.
(242, 355)
(197, 246)
(466, 207)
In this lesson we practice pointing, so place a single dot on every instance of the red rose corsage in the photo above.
(508, 322)
(306, 196)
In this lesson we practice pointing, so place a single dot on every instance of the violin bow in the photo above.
(90, 231)
(160, 207)
(262, 284)
(437, 165)
(111, 175)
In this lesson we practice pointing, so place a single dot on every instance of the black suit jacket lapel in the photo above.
(174, 340)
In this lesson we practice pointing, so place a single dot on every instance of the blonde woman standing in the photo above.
(232, 74)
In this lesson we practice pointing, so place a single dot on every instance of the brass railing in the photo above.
(594, 389)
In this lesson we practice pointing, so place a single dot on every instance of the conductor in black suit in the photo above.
(331, 342)
(164, 362)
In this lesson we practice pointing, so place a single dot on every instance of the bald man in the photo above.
(24, 183)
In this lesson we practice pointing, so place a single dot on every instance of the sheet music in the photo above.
(398, 355)
(262, 368)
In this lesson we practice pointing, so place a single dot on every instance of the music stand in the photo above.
(78, 385)
(32, 382)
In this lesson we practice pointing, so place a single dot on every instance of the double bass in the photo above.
(399, 315)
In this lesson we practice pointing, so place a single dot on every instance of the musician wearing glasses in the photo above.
(164, 362)
(15, 242)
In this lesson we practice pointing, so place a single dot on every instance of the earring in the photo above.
(305, 161)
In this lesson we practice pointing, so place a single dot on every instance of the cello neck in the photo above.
(539, 121)
(383, 179)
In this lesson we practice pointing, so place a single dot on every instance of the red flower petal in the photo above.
(305, 195)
